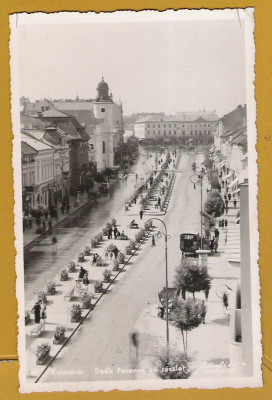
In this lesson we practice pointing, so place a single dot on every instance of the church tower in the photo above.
(108, 113)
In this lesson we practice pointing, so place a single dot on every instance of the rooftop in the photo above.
(35, 143)
(26, 149)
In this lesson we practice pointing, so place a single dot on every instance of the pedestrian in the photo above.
(141, 214)
(161, 308)
(211, 244)
(85, 279)
(220, 223)
(216, 233)
(115, 232)
(203, 311)
(109, 233)
(229, 196)
(94, 259)
(223, 183)
(216, 245)
(44, 314)
(37, 312)
(134, 341)
(226, 223)
(115, 252)
(226, 203)
(159, 201)
(81, 273)
(54, 242)
(235, 203)
(226, 239)
(206, 292)
(225, 300)
(153, 240)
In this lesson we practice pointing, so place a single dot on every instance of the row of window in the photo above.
(183, 133)
(183, 126)
(28, 179)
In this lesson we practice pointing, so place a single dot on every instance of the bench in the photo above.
(69, 294)
(38, 328)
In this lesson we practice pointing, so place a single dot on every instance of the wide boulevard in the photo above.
(102, 344)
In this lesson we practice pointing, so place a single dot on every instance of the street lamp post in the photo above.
(198, 179)
(166, 237)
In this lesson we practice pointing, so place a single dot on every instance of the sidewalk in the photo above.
(208, 345)
(30, 235)
(59, 305)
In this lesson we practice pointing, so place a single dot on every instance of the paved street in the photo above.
(42, 262)
(103, 342)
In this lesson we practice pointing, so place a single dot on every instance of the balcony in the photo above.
(28, 189)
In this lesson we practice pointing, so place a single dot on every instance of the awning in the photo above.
(235, 181)
(242, 176)
(212, 149)
(222, 163)
(236, 191)
(227, 176)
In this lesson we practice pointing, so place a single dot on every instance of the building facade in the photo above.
(109, 129)
(183, 125)
(44, 184)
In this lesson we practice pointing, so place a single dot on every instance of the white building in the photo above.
(184, 124)
(109, 129)
(44, 187)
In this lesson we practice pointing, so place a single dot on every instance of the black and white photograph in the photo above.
(135, 181)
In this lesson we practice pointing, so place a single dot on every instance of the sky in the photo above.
(168, 66)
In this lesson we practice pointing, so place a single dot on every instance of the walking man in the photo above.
(134, 341)
(203, 312)
(141, 214)
(234, 203)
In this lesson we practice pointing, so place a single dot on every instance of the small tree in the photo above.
(187, 315)
(171, 364)
(214, 205)
(99, 177)
(190, 277)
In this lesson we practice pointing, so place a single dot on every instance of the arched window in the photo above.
(104, 147)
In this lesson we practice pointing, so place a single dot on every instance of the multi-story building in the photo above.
(43, 185)
(183, 125)
(58, 140)
(28, 155)
(77, 138)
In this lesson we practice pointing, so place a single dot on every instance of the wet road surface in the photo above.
(103, 342)
(42, 262)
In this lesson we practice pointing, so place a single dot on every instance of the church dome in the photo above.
(103, 85)
(103, 92)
